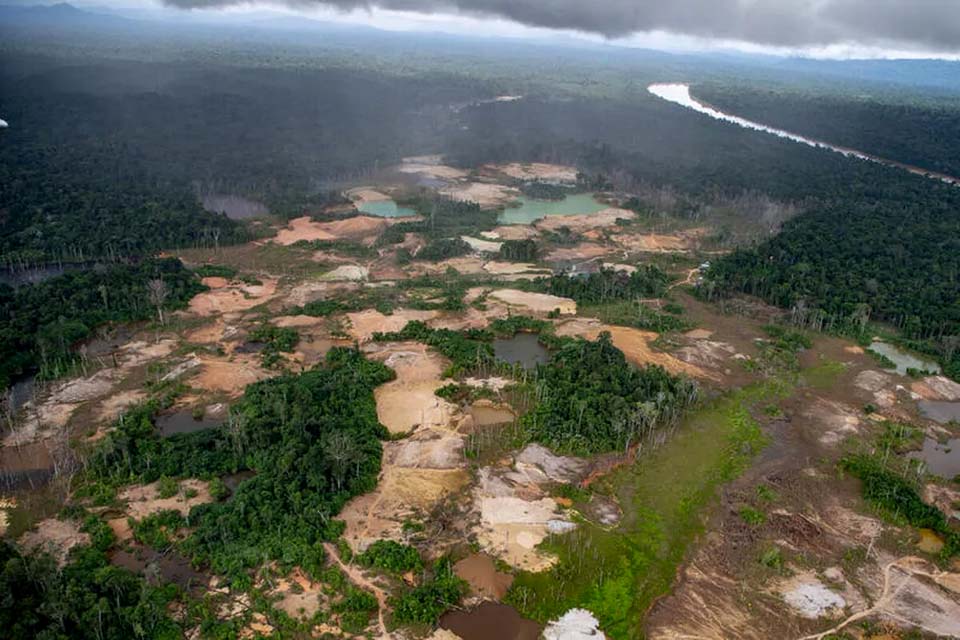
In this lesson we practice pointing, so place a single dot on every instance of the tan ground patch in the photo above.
(55, 537)
(477, 244)
(430, 167)
(582, 251)
(314, 290)
(299, 602)
(111, 407)
(469, 319)
(121, 528)
(229, 376)
(534, 302)
(304, 228)
(235, 297)
(367, 194)
(298, 322)
(582, 223)
(215, 282)
(808, 597)
(481, 574)
(363, 324)
(144, 500)
(209, 333)
(401, 494)
(634, 343)
(53, 412)
(514, 514)
(654, 242)
(698, 334)
(511, 528)
(486, 195)
(937, 388)
(944, 498)
(511, 232)
(833, 420)
(853, 349)
(467, 265)
(706, 353)
(509, 268)
(361, 228)
(537, 171)
(409, 400)
(426, 449)
(349, 272)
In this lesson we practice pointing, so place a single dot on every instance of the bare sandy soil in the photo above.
(49, 414)
(303, 228)
(634, 343)
(512, 268)
(431, 167)
(511, 232)
(358, 228)
(367, 194)
(233, 297)
(937, 388)
(363, 324)
(297, 595)
(312, 290)
(469, 319)
(585, 222)
(514, 513)
(111, 408)
(534, 302)
(680, 242)
(477, 244)
(144, 500)
(488, 196)
(409, 400)
(348, 272)
(536, 171)
(298, 322)
(55, 537)
(582, 251)
(229, 376)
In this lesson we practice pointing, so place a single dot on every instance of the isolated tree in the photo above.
(158, 291)
(340, 452)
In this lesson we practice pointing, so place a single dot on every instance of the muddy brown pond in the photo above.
(523, 348)
(940, 411)
(153, 564)
(184, 422)
(941, 459)
(491, 620)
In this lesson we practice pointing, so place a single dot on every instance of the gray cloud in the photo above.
(913, 23)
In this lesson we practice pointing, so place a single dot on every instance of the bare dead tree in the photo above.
(158, 291)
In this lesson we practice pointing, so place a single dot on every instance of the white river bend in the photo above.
(680, 94)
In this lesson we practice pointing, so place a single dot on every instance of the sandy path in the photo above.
(357, 578)
(691, 275)
(884, 604)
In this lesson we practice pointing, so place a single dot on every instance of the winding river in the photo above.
(679, 93)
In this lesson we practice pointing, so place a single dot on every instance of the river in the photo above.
(679, 93)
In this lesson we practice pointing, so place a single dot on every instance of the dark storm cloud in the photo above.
(923, 23)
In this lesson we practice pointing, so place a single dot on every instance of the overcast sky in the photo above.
(823, 28)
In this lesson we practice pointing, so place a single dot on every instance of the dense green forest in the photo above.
(913, 132)
(40, 323)
(592, 400)
(89, 599)
(869, 234)
(313, 440)
(102, 161)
